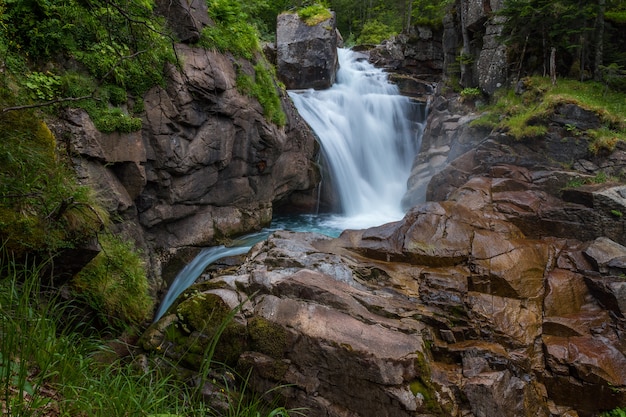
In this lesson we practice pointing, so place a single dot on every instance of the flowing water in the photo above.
(369, 135)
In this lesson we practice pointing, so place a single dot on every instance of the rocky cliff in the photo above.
(465, 50)
(207, 164)
(502, 295)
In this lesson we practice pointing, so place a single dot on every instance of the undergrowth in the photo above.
(526, 115)
(100, 56)
(42, 207)
(50, 368)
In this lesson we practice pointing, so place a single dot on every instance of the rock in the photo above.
(417, 54)
(306, 55)
(450, 311)
(185, 18)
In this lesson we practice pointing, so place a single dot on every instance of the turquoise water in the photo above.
(369, 137)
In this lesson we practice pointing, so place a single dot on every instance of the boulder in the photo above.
(306, 55)
(450, 311)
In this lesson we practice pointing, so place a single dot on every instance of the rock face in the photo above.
(467, 48)
(500, 293)
(419, 53)
(185, 18)
(450, 312)
(207, 164)
(306, 56)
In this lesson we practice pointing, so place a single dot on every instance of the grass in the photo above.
(314, 14)
(48, 368)
(526, 116)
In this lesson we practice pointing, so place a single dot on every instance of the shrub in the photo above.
(374, 32)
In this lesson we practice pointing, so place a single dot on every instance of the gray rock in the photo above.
(306, 55)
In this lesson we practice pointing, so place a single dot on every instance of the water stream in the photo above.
(369, 135)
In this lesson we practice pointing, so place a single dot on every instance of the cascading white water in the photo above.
(364, 126)
(369, 140)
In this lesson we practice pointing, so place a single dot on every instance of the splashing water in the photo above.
(369, 139)
(367, 136)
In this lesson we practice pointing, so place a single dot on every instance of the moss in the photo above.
(201, 317)
(423, 387)
(43, 209)
(114, 283)
(203, 311)
(267, 337)
(526, 115)
(314, 14)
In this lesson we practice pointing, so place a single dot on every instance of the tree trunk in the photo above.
(553, 65)
(465, 49)
(409, 11)
(597, 73)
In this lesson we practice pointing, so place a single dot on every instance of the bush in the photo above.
(374, 32)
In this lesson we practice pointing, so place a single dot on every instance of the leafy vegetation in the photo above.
(580, 33)
(233, 33)
(525, 115)
(618, 412)
(119, 47)
(49, 368)
(314, 14)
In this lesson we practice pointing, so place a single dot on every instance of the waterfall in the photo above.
(369, 137)
(188, 275)
(366, 133)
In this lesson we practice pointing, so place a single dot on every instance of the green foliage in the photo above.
(231, 32)
(471, 93)
(114, 283)
(42, 207)
(43, 86)
(614, 76)
(51, 368)
(314, 14)
(534, 27)
(264, 89)
(618, 412)
(122, 46)
(525, 115)
(430, 12)
(374, 32)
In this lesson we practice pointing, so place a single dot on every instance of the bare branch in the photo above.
(47, 103)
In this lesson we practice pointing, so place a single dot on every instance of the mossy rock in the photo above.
(267, 337)
(202, 318)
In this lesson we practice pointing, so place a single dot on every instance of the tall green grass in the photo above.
(51, 368)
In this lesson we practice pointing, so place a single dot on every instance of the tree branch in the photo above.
(47, 103)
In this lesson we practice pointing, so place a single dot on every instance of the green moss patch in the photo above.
(314, 14)
(526, 115)
(114, 283)
(267, 337)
